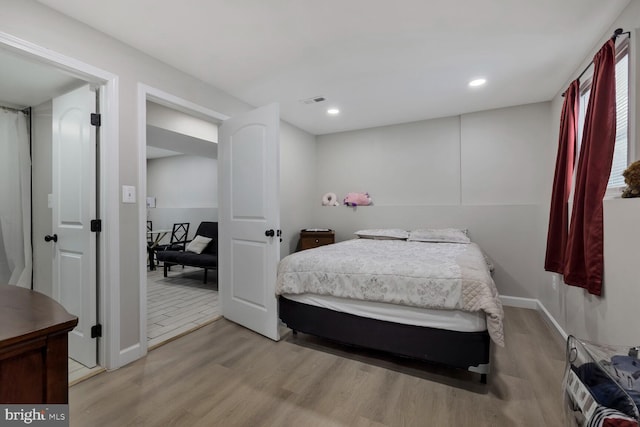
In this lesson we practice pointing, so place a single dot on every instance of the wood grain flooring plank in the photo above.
(225, 375)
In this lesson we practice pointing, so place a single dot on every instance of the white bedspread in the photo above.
(419, 274)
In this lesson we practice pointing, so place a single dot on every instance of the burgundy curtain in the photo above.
(559, 213)
(584, 259)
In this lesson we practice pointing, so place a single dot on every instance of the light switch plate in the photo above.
(128, 194)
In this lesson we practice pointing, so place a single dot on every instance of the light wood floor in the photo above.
(176, 304)
(226, 375)
(78, 372)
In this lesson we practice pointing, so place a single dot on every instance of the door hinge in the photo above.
(96, 331)
(96, 225)
(95, 119)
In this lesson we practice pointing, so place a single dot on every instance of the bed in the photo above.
(427, 294)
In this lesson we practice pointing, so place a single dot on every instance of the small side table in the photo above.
(314, 237)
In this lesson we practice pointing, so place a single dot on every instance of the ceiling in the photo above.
(379, 62)
(158, 153)
(26, 83)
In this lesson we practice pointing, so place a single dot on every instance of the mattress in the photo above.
(452, 320)
(437, 276)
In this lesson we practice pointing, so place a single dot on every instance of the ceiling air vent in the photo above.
(313, 100)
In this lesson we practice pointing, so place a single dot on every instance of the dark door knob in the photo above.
(270, 233)
(49, 238)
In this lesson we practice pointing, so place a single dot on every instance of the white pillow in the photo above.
(383, 234)
(198, 244)
(439, 235)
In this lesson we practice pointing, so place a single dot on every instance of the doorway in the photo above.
(32, 78)
(179, 180)
(181, 193)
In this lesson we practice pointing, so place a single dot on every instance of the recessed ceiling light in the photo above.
(333, 111)
(477, 82)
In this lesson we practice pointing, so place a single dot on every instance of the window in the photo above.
(621, 151)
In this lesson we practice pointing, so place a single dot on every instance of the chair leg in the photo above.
(205, 276)
(165, 269)
(151, 255)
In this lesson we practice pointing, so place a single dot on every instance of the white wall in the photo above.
(297, 182)
(476, 171)
(186, 190)
(501, 154)
(411, 164)
(609, 319)
(183, 181)
(54, 31)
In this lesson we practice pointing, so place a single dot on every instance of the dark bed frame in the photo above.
(465, 350)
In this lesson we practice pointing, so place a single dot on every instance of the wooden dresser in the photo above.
(312, 238)
(33, 347)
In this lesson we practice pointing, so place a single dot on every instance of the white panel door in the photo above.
(74, 206)
(249, 249)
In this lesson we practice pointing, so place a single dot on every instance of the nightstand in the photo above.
(314, 237)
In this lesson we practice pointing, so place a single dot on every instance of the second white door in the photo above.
(74, 206)
(249, 248)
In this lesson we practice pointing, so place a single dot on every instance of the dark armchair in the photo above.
(177, 242)
(207, 259)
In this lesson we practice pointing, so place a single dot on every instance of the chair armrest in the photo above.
(181, 246)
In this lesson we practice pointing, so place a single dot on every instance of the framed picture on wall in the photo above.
(151, 202)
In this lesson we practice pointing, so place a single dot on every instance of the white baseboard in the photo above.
(519, 302)
(552, 321)
(534, 304)
(130, 354)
